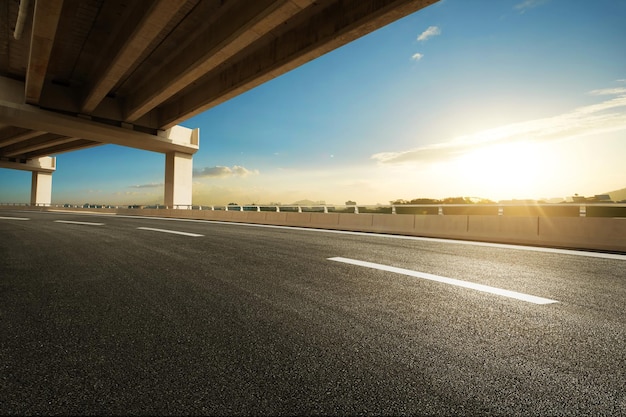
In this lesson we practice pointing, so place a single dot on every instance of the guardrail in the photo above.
(542, 210)
(589, 226)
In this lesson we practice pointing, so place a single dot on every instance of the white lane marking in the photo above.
(80, 213)
(176, 232)
(14, 218)
(83, 223)
(449, 281)
(573, 252)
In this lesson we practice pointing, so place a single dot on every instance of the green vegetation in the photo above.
(447, 200)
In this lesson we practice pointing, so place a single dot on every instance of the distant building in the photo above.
(598, 198)
(524, 202)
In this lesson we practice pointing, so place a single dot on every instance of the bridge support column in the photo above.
(41, 185)
(41, 189)
(178, 179)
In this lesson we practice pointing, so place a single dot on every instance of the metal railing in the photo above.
(509, 209)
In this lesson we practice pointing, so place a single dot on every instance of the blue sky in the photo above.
(497, 99)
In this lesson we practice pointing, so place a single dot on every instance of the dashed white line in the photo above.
(175, 232)
(82, 223)
(449, 281)
(572, 252)
(14, 218)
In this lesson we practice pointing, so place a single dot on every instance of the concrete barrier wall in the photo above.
(595, 233)
(504, 229)
(584, 232)
(323, 220)
(453, 227)
(389, 223)
(298, 219)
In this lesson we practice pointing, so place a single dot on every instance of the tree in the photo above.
(424, 201)
(456, 200)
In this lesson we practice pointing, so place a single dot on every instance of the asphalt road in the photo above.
(110, 316)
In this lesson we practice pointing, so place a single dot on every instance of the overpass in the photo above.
(82, 73)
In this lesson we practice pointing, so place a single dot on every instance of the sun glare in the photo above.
(513, 169)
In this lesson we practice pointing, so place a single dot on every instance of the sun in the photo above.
(507, 170)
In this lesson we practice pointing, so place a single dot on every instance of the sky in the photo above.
(497, 99)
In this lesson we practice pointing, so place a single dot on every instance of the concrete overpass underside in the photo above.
(81, 73)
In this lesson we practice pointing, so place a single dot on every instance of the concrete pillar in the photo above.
(178, 179)
(41, 189)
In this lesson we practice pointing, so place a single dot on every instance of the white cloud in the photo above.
(417, 56)
(608, 91)
(151, 185)
(224, 172)
(605, 116)
(243, 172)
(528, 4)
(429, 33)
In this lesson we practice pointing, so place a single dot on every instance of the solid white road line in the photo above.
(83, 223)
(449, 281)
(572, 252)
(14, 218)
(171, 231)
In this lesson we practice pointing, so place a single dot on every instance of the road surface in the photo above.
(105, 314)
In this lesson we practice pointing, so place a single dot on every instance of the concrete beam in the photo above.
(128, 47)
(178, 179)
(300, 40)
(68, 99)
(43, 164)
(45, 21)
(31, 147)
(14, 112)
(58, 148)
(20, 137)
(41, 189)
(234, 30)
